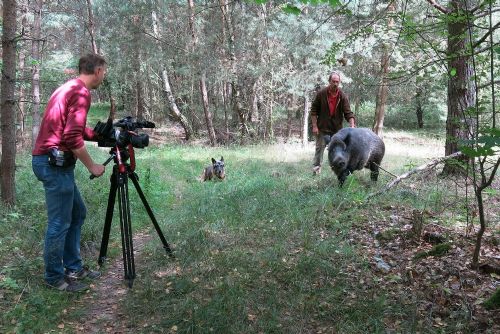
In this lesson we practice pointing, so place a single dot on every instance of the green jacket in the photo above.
(319, 108)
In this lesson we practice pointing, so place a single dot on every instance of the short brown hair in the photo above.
(332, 74)
(88, 63)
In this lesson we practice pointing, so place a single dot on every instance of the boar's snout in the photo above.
(338, 164)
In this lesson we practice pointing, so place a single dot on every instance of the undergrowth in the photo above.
(266, 250)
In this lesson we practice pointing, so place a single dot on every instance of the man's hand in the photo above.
(96, 170)
(351, 123)
(314, 121)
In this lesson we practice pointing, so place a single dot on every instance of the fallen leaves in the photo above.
(443, 288)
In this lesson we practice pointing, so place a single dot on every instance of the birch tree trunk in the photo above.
(176, 113)
(91, 27)
(8, 101)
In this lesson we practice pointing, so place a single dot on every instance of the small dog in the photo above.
(216, 169)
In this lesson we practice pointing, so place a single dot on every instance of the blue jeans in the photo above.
(66, 213)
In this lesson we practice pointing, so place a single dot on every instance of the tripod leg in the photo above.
(126, 230)
(109, 218)
(134, 178)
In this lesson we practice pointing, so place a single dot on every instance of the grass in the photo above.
(267, 250)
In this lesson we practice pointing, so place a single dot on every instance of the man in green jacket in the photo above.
(329, 109)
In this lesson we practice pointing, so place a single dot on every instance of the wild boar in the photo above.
(352, 149)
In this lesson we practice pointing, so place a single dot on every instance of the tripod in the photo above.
(122, 171)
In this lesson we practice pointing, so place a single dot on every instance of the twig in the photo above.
(384, 169)
(427, 166)
(21, 294)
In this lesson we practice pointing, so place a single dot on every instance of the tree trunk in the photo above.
(203, 85)
(305, 119)
(235, 87)
(381, 102)
(378, 123)
(35, 68)
(225, 95)
(460, 125)
(269, 134)
(176, 113)
(8, 101)
(208, 115)
(140, 110)
(91, 27)
(419, 111)
(289, 117)
(479, 237)
(21, 117)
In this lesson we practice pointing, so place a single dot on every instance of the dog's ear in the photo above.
(213, 160)
(221, 158)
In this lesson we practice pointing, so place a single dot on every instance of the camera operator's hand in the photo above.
(97, 170)
(83, 155)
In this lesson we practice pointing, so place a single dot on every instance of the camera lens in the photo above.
(139, 141)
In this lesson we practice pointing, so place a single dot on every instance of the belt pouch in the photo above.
(61, 158)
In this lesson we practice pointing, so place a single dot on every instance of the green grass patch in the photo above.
(267, 250)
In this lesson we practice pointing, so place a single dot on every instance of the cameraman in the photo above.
(59, 144)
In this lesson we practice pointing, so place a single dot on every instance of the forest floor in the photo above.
(392, 249)
(444, 292)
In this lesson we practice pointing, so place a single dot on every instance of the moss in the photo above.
(438, 250)
(493, 302)
(387, 235)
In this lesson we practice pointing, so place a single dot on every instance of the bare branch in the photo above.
(425, 167)
(482, 39)
(488, 84)
(492, 176)
(439, 7)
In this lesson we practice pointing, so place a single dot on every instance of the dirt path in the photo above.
(102, 303)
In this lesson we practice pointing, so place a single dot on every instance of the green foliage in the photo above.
(437, 250)
(290, 9)
(486, 144)
(493, 302)
(398, 116)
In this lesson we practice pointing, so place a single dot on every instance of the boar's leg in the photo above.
(343, 176)
(374, 171)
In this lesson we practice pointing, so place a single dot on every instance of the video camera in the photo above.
(122, 133)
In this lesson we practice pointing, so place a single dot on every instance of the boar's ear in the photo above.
(213, 160)
(337, 142)
(221, 158)
(347, 140)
